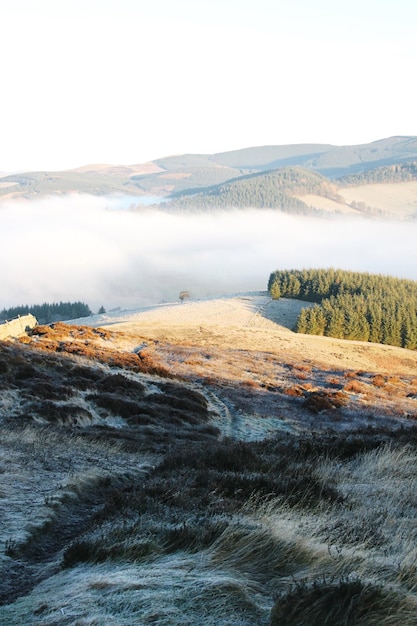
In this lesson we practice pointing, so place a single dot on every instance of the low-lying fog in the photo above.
(82, 248)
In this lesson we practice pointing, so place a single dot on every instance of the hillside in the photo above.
(382, 200)
(193, 173)
(381, 192)
(200, 462)
(252, 322)
(331, 161)
(275, 189)
(386, 191)
(96, 180)
(177, 179)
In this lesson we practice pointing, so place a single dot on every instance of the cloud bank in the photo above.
(82, 248)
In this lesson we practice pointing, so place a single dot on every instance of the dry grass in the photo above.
(347, 602)
(220, 474)
(388, 199)
(354, 386)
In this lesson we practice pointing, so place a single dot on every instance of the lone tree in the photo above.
(275, 291)
(184, 295)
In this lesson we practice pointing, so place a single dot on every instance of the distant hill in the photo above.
(342, 161)
(331, 161)
(272, 157)
(389, 191)
(272, 189)
(97, 182)
(246, 177)
(185, 178)
(399, 173)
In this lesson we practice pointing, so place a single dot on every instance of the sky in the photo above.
(128, 81)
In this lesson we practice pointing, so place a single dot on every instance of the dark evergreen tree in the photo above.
(46, 313)
(352, 305)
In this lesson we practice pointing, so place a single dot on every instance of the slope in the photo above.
(192, 464)
(196, 171)
(272, 189)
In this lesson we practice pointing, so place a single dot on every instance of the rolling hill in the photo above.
(387, 191)
(272, 189)
(304, 178)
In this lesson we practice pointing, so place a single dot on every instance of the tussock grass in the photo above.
(256, 552)
(354, 386)
(325, 401)
(171, 591)
(346, 603)
(96, 552)
(229, 553)
(56, 413)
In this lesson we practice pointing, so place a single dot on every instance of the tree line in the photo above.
(49, 312)
(352, 305)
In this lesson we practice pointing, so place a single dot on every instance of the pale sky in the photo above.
(128, 81)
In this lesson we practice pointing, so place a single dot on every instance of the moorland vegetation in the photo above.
(124, 500)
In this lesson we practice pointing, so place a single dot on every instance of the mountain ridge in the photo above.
(195, 174)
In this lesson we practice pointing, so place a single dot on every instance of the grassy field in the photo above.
(389, 200)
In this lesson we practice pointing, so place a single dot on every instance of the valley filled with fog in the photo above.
(200, 463)
(94, 249)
